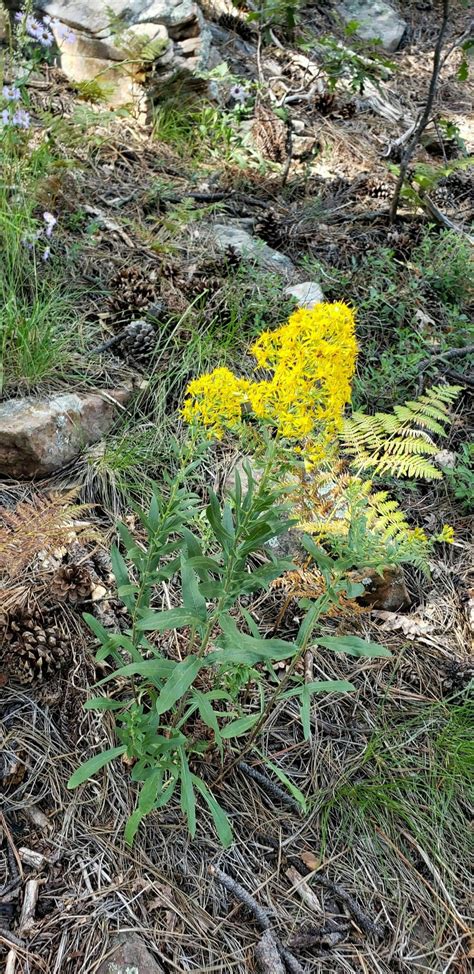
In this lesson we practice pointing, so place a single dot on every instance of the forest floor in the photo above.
(375, 878)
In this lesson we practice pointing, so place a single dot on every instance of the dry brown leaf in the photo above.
(410, 625)
(310, 860)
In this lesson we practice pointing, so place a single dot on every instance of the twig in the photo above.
(267, 955)
(269, 786)
(9, 937)
(261, 915)
(425, 116)
(364, 922)
(442, 357)
(432, 210)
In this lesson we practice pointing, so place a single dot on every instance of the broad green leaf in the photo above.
(90, 767)
(220, 819)
(169, 619)
(181, 679)
(353, 645)
(240, 726)
(239, 647)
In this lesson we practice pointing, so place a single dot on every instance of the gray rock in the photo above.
(307, 294)
(130, 956)
(97, 48)
(376, 19)
(223, 235)
(39, 436)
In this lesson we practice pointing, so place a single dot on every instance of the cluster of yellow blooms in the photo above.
(312, 358)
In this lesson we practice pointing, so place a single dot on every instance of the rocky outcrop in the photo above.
(376, 19)
(39, 436)
(108, 39)
(221, 236)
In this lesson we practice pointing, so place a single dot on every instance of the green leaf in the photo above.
(120, 571)
(188, 798)
(297, 794)
(238, 727)
(193, 601)
(90, 767)
(169, 619)
(239, 647)
(149, 791)
(319, 686)
(220, 819)
(104, 703)
(153, 669)
(305, 711)
(181, 679)
(353, 645)
(132, 825)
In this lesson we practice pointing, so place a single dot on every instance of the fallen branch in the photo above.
(442, 357)
(361, 918)
(261, 915)
(267, 955)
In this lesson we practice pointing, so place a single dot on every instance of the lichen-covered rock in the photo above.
(41, 435)
(108, 38)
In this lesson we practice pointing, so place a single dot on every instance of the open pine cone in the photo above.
(133, 291)
(271, 229)
(33, 647)
(138, 341)
(71, 583)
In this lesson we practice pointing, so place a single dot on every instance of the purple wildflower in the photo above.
(44, 36)
(50, 222)
(62, 31)
(46, 253)
(11, 93)
(5, 117)
(32, 26)
(21, 119)
(239, 94)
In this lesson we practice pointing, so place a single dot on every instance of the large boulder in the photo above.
(108, 39)
(41, 435)
(376, 19)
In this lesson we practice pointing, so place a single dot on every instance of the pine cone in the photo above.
(71, 713)
(325, 102)
(71, 583)
(271, 229)
(138, 341)
(133, 290)
(270, 134)
(377, 188)
(232, 258)
(33, 646)
(230, 22)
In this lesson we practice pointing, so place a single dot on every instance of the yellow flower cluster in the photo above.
(215, 401)
(312, 358)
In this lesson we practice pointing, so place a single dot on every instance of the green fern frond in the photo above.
(396, 443)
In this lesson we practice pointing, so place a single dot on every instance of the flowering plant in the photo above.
(312, 360)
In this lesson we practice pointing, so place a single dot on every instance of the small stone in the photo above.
(41, 435)
(376, 20)
(446, 459)
(130, 956)
(307, 294)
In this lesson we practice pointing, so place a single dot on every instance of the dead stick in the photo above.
(267, 956)
(269, 786)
